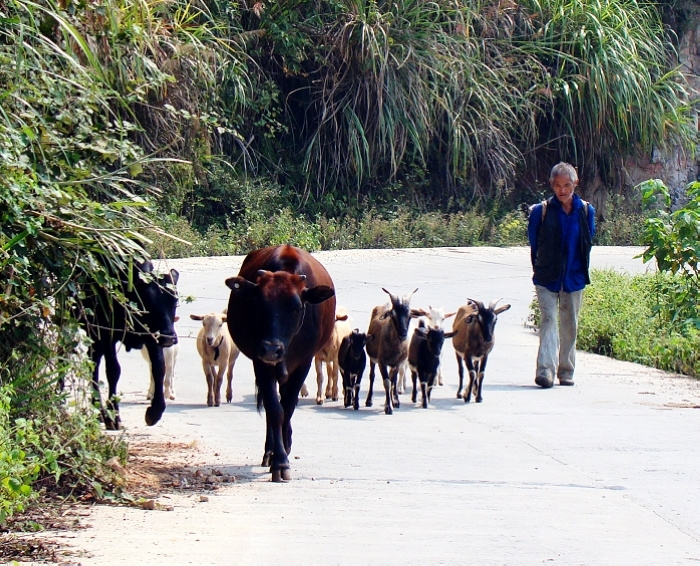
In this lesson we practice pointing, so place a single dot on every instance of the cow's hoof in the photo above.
(152, 417)
(281, 476)
(266, 459)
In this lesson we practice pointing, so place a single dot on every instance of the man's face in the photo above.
(563, 188)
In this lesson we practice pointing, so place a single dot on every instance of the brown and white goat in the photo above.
(387, 346)
(218, 353)
(476, 324)
(329, 355)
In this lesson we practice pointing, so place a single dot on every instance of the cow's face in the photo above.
(279, 301)
(159, 298)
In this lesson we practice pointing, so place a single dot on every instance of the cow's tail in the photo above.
(259, 399)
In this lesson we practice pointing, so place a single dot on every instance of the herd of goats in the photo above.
(282, 315)
(345, 353)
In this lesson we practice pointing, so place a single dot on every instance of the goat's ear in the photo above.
(451, 334)
(501, 309)
(450, 314)
(223, 318)
(176, 318)
(196, 317)
(422, 330)
(317, 294)
(415, 313)
(341, 317)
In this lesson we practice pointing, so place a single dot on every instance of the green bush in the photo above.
(619, 319)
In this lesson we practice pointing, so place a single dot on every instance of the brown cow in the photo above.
(281, 311)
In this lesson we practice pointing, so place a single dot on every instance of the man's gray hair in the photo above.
(564, 169)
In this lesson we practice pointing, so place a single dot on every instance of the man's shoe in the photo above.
(544, 382)
(566, 381)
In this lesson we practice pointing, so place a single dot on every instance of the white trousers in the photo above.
(558, 325)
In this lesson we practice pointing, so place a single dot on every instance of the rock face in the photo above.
(675, 167)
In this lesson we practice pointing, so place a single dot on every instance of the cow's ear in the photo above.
(317, 294)
(240, 285)
(175, 274)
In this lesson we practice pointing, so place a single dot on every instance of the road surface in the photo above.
(605, 472)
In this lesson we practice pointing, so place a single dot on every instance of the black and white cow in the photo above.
(108, 321)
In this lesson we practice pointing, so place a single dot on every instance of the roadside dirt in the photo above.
(154, 470)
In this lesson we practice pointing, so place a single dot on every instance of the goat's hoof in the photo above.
(388, 410)
(319, 401)
(467, 399)
(479, 399)
(368, 403)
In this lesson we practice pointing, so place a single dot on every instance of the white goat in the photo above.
(219, 354)
(170, 355)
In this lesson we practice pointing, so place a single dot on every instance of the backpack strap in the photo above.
(544, 209)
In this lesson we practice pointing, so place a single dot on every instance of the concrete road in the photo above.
(605, 472)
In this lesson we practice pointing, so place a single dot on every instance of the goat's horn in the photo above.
(408, 297)
(393, 297)
(492, 304)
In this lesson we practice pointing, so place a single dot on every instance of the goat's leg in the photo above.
(333, 371)
(472, 379)
(386, 380)
(319, 380)
(423, 392)
(460, 369)
(393, 378)
(431, 384)
(480, 368)
(356, 391)
(229, 382)
(368, 401)
(209, 374)
(414, 378)
(218, 383)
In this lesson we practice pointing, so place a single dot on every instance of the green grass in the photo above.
(618, 319)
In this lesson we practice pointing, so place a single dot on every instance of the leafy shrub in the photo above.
(619, 319)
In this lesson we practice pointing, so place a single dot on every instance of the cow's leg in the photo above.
(368, 401)
(275, 455)
(319, 380)
(113, 371)
(96, 352)
(289, 394)
(414, 378)
(209, 374)
(170, 359)
(460, 369)
(155, 411)
(472, 379)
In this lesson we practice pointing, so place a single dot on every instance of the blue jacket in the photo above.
(571, 251)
